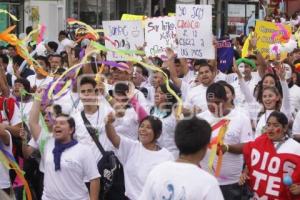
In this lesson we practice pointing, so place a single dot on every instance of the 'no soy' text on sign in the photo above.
(194, 31)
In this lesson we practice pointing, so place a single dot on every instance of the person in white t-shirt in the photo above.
(184, 179)
(39, 79)
(238, 132)
(96, 110)
(67, 162)
(195, 100)
(138, 157)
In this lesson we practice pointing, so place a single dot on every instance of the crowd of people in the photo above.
(224, 135)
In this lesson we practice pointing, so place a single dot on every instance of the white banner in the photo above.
(160, 33)
(194, 31)
(126, 35)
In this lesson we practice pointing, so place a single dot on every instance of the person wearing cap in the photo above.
(123, 73)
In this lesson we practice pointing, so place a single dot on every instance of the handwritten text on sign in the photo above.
(160, 33)
(125, 35)
(194, 31)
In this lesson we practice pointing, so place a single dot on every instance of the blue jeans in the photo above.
(232, 191)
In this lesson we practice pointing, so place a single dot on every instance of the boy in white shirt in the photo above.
(184, 179)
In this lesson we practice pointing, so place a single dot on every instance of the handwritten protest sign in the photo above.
(160, 33)
(264, 31)
(126, 35)
(194, 31)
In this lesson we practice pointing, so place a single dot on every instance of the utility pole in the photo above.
(219, 18)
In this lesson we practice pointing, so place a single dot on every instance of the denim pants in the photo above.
(232, 191)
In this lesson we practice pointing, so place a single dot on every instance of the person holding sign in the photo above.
(270, 160)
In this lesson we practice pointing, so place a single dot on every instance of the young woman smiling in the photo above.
(138, 157)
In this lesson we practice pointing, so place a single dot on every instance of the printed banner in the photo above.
(126, 35)
(160, 33)
(194, 31)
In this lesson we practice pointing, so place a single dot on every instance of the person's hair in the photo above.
(211, 68)
(259, 89)
(25, 83)
(230, 87)
(18, 60)
(12, 46)
(70, 121)
(171, 100)
(56, 55)
(28, 30)
(144, 70)
(4, 58)
(192, 135)
(57, 109)
(60, 71)
(156, 126)
(63, 33)
(88, 80)
(43, 58)
(201, 62)
(166, 71)
(216, 90)
(157, 61)
(53, 45)
(121, 88)
(280, 117)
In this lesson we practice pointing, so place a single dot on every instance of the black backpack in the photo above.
(110, 168)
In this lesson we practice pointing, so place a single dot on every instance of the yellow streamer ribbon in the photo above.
(11, 15)
(214, 148)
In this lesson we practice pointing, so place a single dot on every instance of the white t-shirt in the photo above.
(4, 172)
(197, 97)
(296, 124)
(190, 77)
(295, 98)
(128, 124)
(177, 181)
(167, 138)
(137, 162)
(34, 81)
(220, 76)
(25, 108)
(69, 103)
(76, 163)
(15, 119)
(239, 131)
(97, 120)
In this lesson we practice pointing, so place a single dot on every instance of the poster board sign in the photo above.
(125, 35)
(225, 55)
(160, 33)
(194, 31)
(264, 31)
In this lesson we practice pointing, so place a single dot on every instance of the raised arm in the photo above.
(171, 66)
(139, 109)
(111, 132)
(34, 126)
